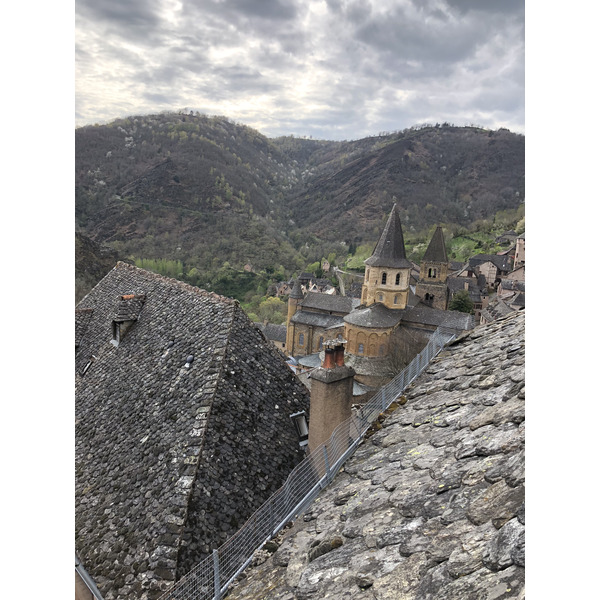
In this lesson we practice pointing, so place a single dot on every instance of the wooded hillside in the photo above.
(207, 196)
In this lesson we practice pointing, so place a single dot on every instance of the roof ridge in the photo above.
(182, 284)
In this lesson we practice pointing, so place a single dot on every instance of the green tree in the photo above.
(462, 302)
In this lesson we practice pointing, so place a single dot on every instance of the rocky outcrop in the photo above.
(431, 506)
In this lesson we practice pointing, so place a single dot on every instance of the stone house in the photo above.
(182, 428)
(492, 266)
(520, 251)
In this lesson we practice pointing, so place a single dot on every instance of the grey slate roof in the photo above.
(318, 301)
(375, 315)
(170, 460)
(317, 319)
(390, 251)
(500, 261)
(496, 310)
(434, 317)
(436, 251)
(431, 506)
(272, 331)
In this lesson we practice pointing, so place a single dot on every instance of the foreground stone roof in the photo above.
(172, 459)
(431, 506)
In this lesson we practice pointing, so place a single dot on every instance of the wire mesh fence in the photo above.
(210, 578)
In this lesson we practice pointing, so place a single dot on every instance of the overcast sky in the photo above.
(333, 69)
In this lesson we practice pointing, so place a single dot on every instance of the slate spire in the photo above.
(390, 251)
(297, 290)
(436, 251)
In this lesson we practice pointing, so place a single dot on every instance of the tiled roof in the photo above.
(390, 251)
(376, 315)
(501, 262)
(435, 317)
(273, 331)
(160, 445)
(436, 251)
(318, 301)
(305, 317)
(82, 319)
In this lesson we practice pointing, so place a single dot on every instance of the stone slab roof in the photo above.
(390, 251)
(501, 262)
(327, 302)
(436, 250)
(272, 331)
(496, 310)
(376, 316)
(434, 317)
(171, 459)
(317, 319)
(431, 505)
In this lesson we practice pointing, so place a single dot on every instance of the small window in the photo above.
(367, 275)
(339, 337)
(380, 297)
(395, 299)
(301, 340)
(397, 278)
(383, 278)
(361, 348)
(432, 273)
(321, 343)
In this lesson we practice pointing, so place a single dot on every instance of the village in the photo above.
(387, 319)
(184, 405)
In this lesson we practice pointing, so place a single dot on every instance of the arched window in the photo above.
(397, 278)
(380, 297)
(321, 343)
(395, 299)
(383, 278)
(432, 273)
(301, 340)
(361, 348)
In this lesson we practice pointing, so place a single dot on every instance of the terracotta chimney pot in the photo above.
(329, 362)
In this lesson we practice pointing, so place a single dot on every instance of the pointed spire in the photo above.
(297, 290)
(436, 251)
(389, 251)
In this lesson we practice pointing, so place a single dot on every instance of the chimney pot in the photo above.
(329, 362)
(339, 355)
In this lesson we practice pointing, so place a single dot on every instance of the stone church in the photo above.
(394, 319)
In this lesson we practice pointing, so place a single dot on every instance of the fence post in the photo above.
(217, 577)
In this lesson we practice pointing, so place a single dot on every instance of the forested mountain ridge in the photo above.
(209, 195)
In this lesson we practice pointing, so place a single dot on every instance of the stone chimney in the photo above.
(330, 395)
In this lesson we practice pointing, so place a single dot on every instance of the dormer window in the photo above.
(127, 311)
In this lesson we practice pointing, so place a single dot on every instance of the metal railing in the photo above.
(210, 578)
